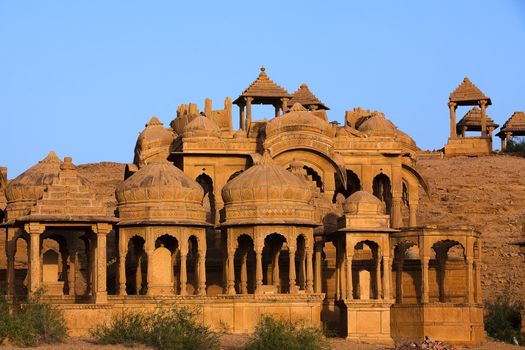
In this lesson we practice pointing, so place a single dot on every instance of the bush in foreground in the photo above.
(31, 324)
(503, 319)
(272, 333)
(163, 328)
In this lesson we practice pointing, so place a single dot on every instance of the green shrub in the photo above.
(126, 328)
(503, 319)
(272, 333)
(163, 328)
(31, 324)
(516, 144)
(4, 317)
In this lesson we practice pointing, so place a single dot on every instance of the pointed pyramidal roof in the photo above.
(305, 97)
(472, 120)
(515, 124)
(69, 198)
(468, 94)
(263, 88)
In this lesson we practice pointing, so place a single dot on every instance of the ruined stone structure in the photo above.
(293, 216)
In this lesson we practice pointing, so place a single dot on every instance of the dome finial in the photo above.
(67, 164)
(265, 159)
(263, 69)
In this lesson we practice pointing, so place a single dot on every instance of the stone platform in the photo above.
(232, 313)
(459, 324)
(468, 146)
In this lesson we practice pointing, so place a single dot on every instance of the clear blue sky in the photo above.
(83, 77)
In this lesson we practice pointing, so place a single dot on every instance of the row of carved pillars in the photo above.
(344, 279)
(305, 259)
(452, 108)
(149, 248)
(505, 140)
(96, 256)
(244, 123)
(473, 279)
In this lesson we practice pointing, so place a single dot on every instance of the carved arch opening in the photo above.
(382, 189)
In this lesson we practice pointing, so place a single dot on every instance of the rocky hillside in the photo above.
(489, 194)
(106, 176)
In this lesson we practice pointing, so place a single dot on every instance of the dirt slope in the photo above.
(489, 194)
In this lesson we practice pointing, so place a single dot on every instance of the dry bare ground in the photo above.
(236, 342)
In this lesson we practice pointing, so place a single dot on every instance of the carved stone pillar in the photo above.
(101, 294)
(231, 273)
(508, 136)
(244, 274)
(452, 107)
(412, 219)
(477, 269)
(349, 282)
(503, 145)
(202, 272)
(343, 276)
(378, 276)
(483, 105)
(183, 272)
(276, 274)
(277, 110)
(396, 217)
(248, 101)
(241, 117)
(424, 279)
(122, 252)
(35, 269)
(470, 281)
(309, 271)
(258, 270)
(291, 252)
(442, 267)
(149, 271)
(318, 269)
(386, 278)
(72, 273)
(10, 248)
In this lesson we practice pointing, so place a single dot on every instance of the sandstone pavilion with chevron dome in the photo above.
(294, 216)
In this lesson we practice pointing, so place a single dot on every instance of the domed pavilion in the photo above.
(162, 220)
(268, 212)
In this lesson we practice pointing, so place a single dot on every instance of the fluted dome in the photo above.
(362, 202)
(28, 187)
(159, 191)
(267, 193)
(153, 143)
(299, 119)
(201, 126)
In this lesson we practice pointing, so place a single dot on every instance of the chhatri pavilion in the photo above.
(293, 216)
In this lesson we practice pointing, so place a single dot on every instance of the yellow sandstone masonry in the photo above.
(293, 216)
